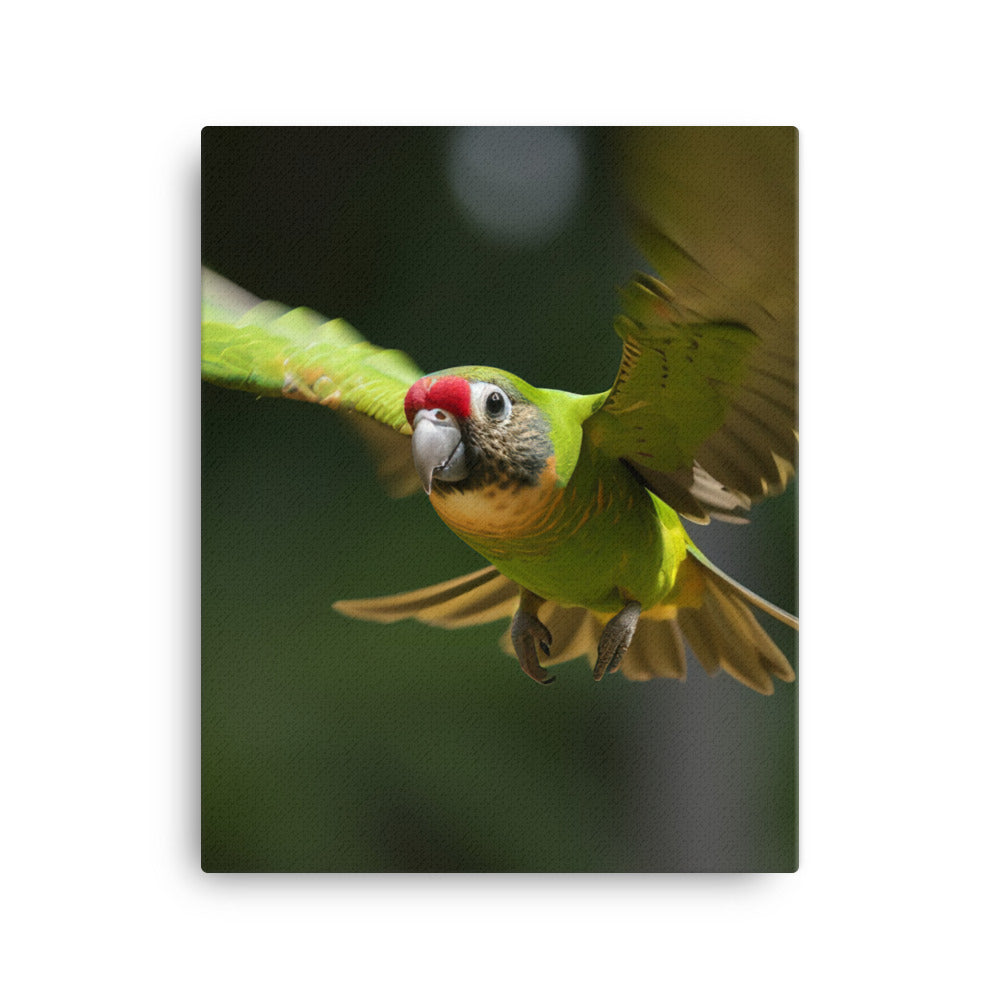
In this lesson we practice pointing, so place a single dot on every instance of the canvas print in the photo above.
(499, 436)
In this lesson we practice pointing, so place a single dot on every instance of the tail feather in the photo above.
(723, 632)
(700, 638)
(771, 657)
(713, 615)
(744, 593)
(737, 651)
(657, 650)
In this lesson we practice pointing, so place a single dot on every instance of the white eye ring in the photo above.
(492, 401)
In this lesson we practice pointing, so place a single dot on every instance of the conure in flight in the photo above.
(576, 501)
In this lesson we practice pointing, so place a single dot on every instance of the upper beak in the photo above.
(438, 451)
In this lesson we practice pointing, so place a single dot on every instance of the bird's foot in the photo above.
(615, 639)
(525, 631)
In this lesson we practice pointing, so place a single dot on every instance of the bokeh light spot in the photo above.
(516, 185)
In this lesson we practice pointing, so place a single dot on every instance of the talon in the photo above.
(525, 631)
(616, 639)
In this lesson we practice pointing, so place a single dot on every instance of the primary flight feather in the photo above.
(576, 501)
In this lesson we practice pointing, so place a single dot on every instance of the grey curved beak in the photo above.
(438, 452)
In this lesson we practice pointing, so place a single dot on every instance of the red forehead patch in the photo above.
(416, 399)
(450, 393)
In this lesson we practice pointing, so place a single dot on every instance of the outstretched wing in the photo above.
(705, 404)
(271, 350)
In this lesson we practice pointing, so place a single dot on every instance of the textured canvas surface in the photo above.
(337, 745)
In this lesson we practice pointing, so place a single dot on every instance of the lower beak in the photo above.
(438, 451)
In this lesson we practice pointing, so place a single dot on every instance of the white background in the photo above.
(897, 115)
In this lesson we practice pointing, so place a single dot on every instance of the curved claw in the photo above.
(525, 630)
(616, 639)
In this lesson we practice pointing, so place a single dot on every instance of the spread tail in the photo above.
(722, 631)
(712, 614)
(715, 619)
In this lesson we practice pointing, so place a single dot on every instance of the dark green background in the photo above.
(337, 745)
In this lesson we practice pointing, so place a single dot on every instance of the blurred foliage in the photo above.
(337, 745)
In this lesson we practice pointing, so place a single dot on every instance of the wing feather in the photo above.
(483, 596)
(727, 461)
(708, 376)
(694, 494)
(271, 350)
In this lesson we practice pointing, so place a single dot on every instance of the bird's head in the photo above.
(476, 426)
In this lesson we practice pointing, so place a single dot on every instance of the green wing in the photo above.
(271, 350)
(705, 404)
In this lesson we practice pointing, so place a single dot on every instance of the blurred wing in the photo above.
(271, 350)
(705, 405)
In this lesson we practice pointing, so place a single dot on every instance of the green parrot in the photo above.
(576, 501)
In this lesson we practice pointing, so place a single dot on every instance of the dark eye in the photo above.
(496, 404)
